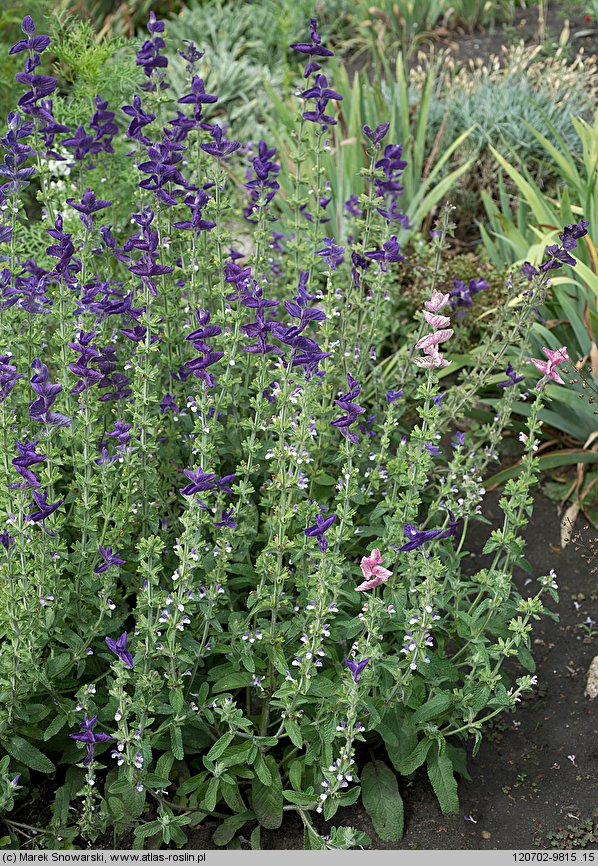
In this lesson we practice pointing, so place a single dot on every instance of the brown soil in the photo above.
(562, 18)
(525, 26)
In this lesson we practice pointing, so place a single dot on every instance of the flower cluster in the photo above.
(461, 294)
(441, 332)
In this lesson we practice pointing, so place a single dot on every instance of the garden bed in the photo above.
(524, 787)
(264, 584)
(582, 34)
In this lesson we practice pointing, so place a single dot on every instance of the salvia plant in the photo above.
(232, 549)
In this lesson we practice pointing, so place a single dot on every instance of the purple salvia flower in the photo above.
(197, 97)
(81, 368)
(513, 378)
(312, 49)
(352, 206)
(8, 376)
(332, 253)
(376, 135)
(44, 508)
(88, 205)
(121, 431)
(167, 404)
(139, 119)
(351, 409)
(393, 396)
(389, 253)
(461, 295)
(321, 526)
(110, 559)
(196, 202)
(219, 148)
(35, 44)
(103, 124)
(263, 186)
(418, 537)
(149, 56)
(226, 519)
(40, 409)
(89, 737)
(27, 458)
(80, 141)
(191, 55)
(119, 647)
(6, 540)
(356, 668)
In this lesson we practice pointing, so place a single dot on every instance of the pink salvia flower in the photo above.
(557, 357)
(434, 339)
(373, 571)
(437, 302)
(436, 321)
(433, 359)
(549, 368)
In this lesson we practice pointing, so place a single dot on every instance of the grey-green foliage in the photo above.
(499, 110)
(245, 48)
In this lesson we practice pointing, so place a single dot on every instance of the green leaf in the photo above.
(312, 841)
(294, 732)
(151, 829)
(433, 708)
(116, 808)
(347, 798)
(440, 772)
(322, 687)
(231, 681)
(120, 785)
(28, 754)
(416, 758)
(382, 801)
(55, 725)
(255, 838)
(458, 757)
(295, 774)
(176, 743)
(310, 801)
(177, 702)
(566, 457)
(164, 765)
(220, 746)
(232, 797)
(324, 479)
(211, 798)
(526, 659)
(191, 784)
(133, 800)
(399, 735)
(238, 754)
(227, 829)
(373, 713)
(267, 800)
(262, 771)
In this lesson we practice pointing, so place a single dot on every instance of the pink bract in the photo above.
(373, 571)
(434, 339)
(437, 302)
(433, 359)
(436, 321)
(549, 368)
